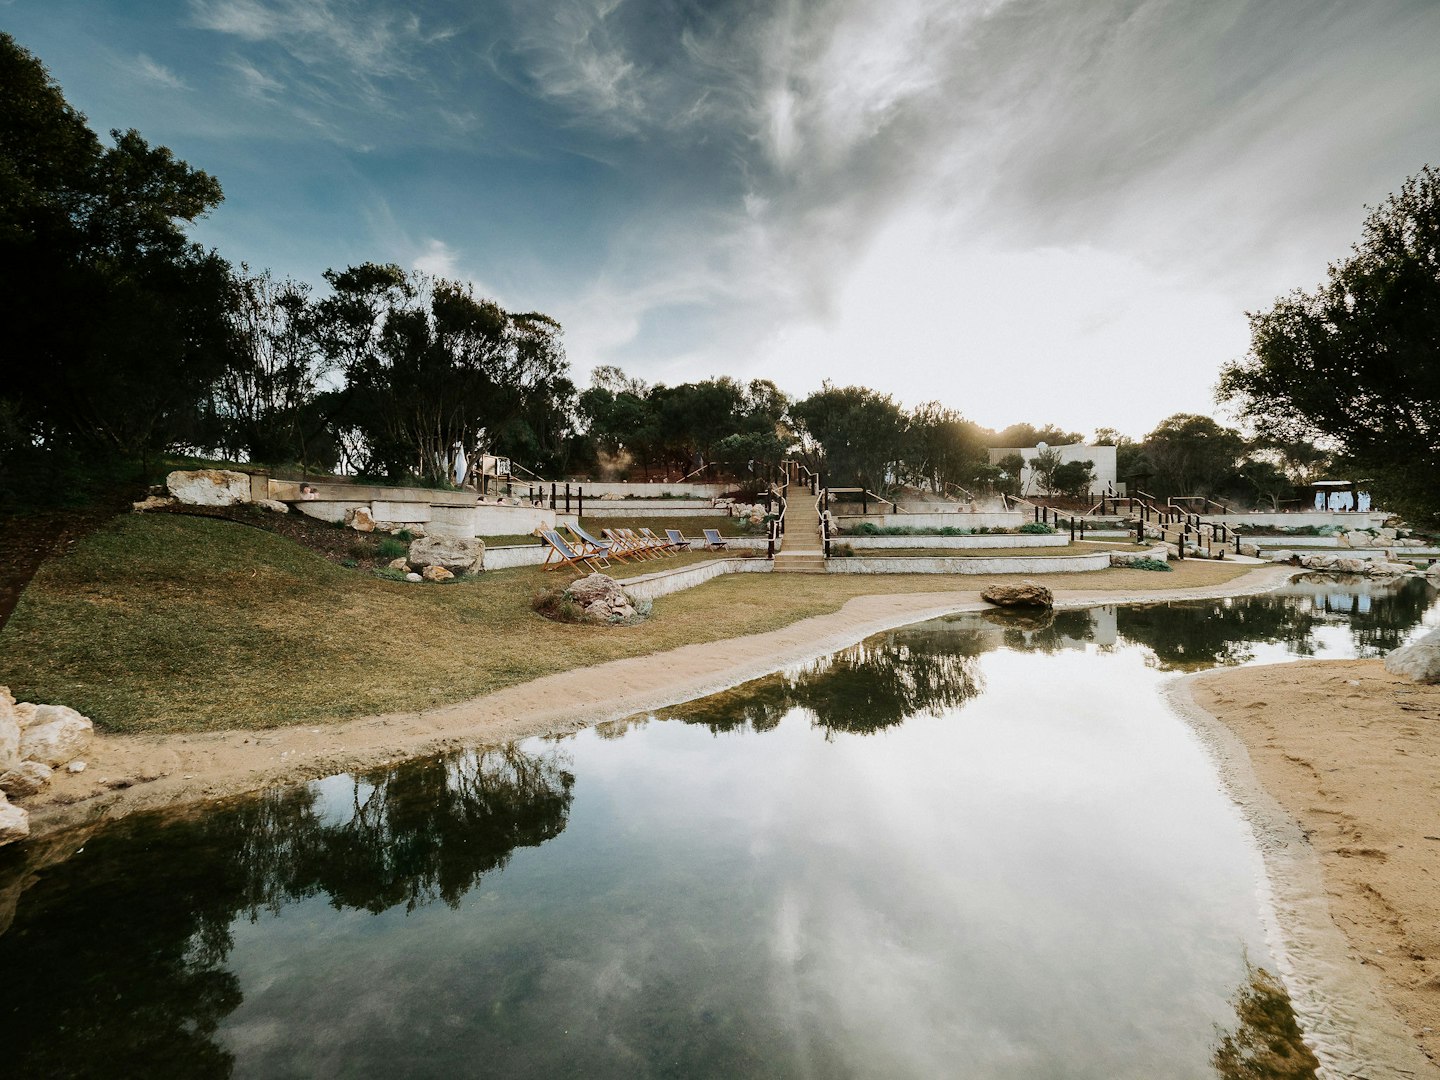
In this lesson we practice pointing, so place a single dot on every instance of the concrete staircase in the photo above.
(803, 551)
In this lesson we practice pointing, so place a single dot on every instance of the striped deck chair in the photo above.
(714, 541)
(568, 556)
(678, 540)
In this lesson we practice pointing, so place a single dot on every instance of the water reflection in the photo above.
(1192, 635)
(121, 947)
(1266, 1043)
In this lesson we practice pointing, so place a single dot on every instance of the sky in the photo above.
(1051, 211)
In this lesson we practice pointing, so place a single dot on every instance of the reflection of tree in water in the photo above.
(1202, 633)
(119, 950)
(865, 688)
(1266, 1043)
(1044, 631)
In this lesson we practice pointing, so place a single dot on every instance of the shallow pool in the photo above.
(975, 847)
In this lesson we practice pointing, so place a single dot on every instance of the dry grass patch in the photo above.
(170, 623)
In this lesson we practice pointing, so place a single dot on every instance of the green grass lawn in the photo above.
(168, 623)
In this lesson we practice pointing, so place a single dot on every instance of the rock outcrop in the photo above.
(1419, 661)
(458, 554)
(209, 487)
(601, 598)
(1021, 594)
(33, 738)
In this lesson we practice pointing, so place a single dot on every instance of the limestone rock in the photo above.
(360, 519)
(1346, 565)
(399, 564)
(1387, 534)
(1319, 561)
(1023, 594)
(1389, 569)
(209, 487)
(24, 779)
(76, 766)
(14, 822)
(436, 573)
(601, 598)
(274, 505)
(458, 554)
(9, 731)
(1419, 661)
(1250, 551)
(413, 577)
(1282, 556)
(55, 736)
(153, 502)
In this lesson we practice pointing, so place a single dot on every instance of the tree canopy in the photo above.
(1356, 362)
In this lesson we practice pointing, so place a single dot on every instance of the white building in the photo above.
(1101, 458)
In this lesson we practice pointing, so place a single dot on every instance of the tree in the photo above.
(118, 321)
(1356, 363)
(1011, 468)
(856, 431)
(1191, 454)
(1073, 478)
(941, 447)
(1027, 435)
(1043, 467)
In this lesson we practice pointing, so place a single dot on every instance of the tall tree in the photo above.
(1356, 362)
(856, 431)
(1192, 455)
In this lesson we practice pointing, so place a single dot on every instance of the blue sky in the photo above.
(1044, 210)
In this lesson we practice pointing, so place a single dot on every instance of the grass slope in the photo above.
(166, 623)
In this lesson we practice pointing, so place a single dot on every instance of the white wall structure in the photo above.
(1101, 458)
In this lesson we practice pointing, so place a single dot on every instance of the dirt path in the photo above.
(126, 774)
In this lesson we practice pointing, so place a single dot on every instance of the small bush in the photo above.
(350, 563)
(553, 604)
(1037, 527)
(392, 548)
(1148, 564)
(406, 535)
(842, 551)
(390, 575)
(362, 549)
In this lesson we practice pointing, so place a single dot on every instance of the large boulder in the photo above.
(458, 554)
(1021, 594)
(26, 778)
(56, 734)
(360, 519)
(1389, 569)
(9, 731)
(209, 487)
(1348, 565)
(14, 822)
(1321, 560)
(1419, 661)
(601, 598)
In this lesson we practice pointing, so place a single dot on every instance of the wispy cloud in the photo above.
(158, 73)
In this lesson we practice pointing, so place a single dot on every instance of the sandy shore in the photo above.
(127, 774)
(1337, 766)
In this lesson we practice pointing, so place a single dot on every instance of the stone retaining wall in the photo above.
(982, 540)
(664, 582)
(1008, 520)
(959, 564)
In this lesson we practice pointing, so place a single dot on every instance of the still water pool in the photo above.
(975, 847)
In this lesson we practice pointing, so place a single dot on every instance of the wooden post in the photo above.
(567, 498)
(1180, 546)
(579, 503)
(1072, 530)
(864, 501)
(552, 495)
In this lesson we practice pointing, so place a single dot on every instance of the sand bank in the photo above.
(1336, 764)
(133, 773)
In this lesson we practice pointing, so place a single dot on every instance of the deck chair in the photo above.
(678, 540)
(621, 547)
(568, 556)
(714, 541)
(662, 545)
(589, 544)
(639, 543)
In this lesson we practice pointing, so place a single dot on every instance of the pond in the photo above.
(979, 846)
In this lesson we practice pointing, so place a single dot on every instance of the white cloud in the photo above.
(158, 73)
(437, 259)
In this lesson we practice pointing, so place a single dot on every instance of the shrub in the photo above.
(1037, 527)
(1148, 564)
(842, 551)
(350, 563)
(361, 549)
(553, 604)
(405, 535)
(391, 548)
(389, 574)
